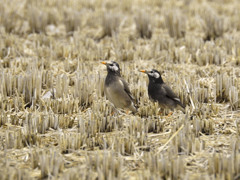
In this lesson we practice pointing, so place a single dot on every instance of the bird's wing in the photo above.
(169, 93)
(126, 88)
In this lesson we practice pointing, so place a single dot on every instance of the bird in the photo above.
(116, 88)
(160, 92)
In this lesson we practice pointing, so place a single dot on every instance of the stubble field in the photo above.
(55, 122)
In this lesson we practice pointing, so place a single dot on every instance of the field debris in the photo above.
(55, 121)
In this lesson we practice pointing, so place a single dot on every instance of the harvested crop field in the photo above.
(55, 121)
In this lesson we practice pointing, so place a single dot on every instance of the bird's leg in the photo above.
(160, 113)
(169, 114)
(114, 110)
(112, 113)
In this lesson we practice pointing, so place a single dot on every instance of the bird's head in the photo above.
(153, 75)
(112, 67)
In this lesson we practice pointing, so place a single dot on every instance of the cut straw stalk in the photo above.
(162, 147)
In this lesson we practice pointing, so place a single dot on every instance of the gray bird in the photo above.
(160, 92)
(116, 88)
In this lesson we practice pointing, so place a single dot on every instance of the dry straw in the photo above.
(55, 121)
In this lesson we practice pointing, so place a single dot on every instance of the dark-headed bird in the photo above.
(160, 92)
(116, 88)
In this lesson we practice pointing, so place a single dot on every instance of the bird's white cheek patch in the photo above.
(151, 74)
(114, 68)
(156, 75)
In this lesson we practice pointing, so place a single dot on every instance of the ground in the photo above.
(55, 121)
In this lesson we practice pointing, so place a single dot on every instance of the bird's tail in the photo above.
(133, 108)
(181, 107)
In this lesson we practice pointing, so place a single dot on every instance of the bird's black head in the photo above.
(112, 67)
(154, 76)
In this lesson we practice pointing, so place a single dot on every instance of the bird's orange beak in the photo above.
(103, 62)
(143, 71)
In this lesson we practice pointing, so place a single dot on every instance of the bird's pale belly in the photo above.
(119, 99)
